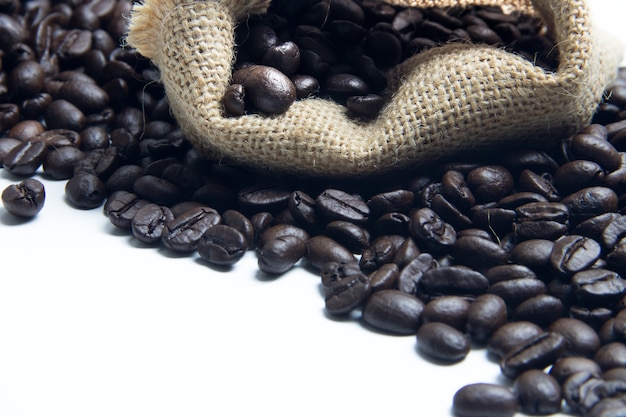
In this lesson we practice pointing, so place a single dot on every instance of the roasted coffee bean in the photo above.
(87, 96)
(541, 184)
(278, 255)
(406, 252)
(538, 393)
(450, 213)
(306, 85)
(509, 271)
(486, 314)
(334, 204)
(541, 309)
(533, 254)
(183, 232)
(383, 248)
(578, 391)
(411, 274)
(348, 234)
(478, 253)
(59, 163)
(26, 79)
(234, 218)
(490, 183)
(574, 253)
(580, 338)
(507, 336)
(449, 309)
(123, 178)
(393, 311)
(322, 249)
(6, 145)
(568, 366)
(302, 209)
(85, 191)
(368, 105)
(346, 294)
(596, 149)
(430, 230)
(614, 231)
(121, 207)
(284, 57)
(392, 223)
(594, 227)
(25, 158)
(281, 230)
(442, 342)
(158, 190)
(235, 100)
(612, 355)
(515, 291)
(268, 89)
(535, 353)
(598, 286)
(222, 245)
(24, 199)
(384, 278)
(486, 400)
(61, 114)
(333, 271)
(148, 223)
(452, 280)
(574, 175)
(513, 201)
(263, 198)
(590, 202)
(398, 201)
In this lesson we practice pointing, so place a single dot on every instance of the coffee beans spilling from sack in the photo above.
(446, 101)
(341, 50)
(523, 252)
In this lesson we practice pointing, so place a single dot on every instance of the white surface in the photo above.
(93, 324)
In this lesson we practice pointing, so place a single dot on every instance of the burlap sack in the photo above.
(451, 99)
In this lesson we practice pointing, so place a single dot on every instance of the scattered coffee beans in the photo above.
(523, 251)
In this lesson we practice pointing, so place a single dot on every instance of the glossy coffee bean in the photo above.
(183, 232)
(451, 310)
(121, 207)
(535, 353)
(346, 294)
(581, 339)
(85, 191)
(24, 199)
(485, 315)
(321, 249)
(222, 245)
(598, 286)
(148, 223)
(280, 254)
(485, 400)
(452, 280)
(268, 89)
(511, 334)
(393, 311)
(568, 366)
(25, 158)
(539, 393)
(335, 204)
(442, 342)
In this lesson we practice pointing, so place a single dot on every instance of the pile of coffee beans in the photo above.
(522, 252)
(341, 49)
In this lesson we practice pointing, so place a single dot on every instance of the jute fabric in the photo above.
(449, 100)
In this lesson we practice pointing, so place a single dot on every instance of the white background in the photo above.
(94, 324)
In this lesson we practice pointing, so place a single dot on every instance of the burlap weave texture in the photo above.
(448, 100)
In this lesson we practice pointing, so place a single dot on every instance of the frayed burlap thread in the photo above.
(449, 100)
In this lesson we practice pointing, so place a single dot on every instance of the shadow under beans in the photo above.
(9, 219)
(213, 267)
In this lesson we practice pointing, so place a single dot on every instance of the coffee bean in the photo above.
(510, 334)
(353, 237)
(335, 204)
(482, 399)
(384, 278)
(580, 338)
(517, 290)
(442, 342)
(411, 274)
(612, 355)
(596, 149)
(539, 393)
(24, 199)
(321, 249)
(85, 191)
(393, 311)
(568, 366)
(157, 189)
(183, 232)
(541, 309)
(535, 353)
(268, 89)
(479, 253)
(452, 280)
(574, 253)
(59, 162)
(590, 202)
(430, 230)
(449, 309)
(486, 314)
(222, 245)
(121, 207)
(25, 158)
(598, 286)
(149, 221)
(578, 391)
(346, 294)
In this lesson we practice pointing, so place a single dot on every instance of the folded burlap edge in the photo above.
(192, 44)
